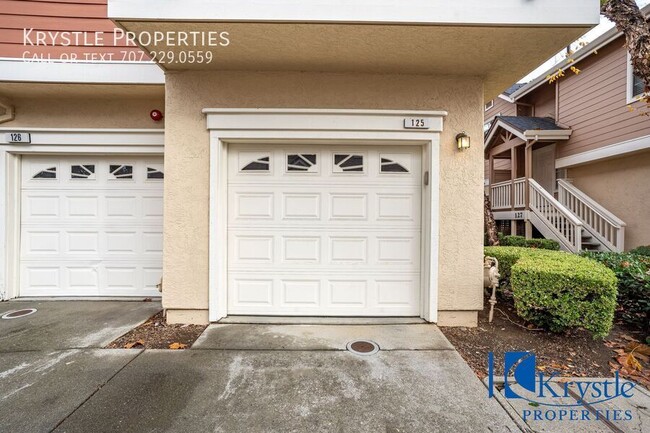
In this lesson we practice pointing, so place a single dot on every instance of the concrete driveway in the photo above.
(244, 378)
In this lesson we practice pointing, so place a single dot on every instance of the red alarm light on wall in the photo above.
(156, 115)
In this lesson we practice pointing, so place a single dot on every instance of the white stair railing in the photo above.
(500, 195)
(603, 225)
(520, 192)
(553, 219)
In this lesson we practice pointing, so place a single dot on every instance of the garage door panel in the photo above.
(39, 242)
(41, 206)
(82, 242)
(152, 207)
(354, 294)
(324, 231)
(86, 231)
(303, 207)
(284, 250)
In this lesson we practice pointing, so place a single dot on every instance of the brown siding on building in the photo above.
(543, 98)
(88, 16)
(594, 103)
(502, 107)
(501, 169)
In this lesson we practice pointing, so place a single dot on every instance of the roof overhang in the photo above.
(498, 41)
(605, 39)
(23, 71)
(529, 135)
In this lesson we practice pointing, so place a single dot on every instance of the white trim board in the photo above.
(54, 141)
(369, 127)
(579, 13)
(623, 148)
(19, 70)
(629, 83)
(86, 136)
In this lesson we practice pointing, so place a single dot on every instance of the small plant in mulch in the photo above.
(156, 333)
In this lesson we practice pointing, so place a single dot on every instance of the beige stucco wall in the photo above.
(621, 185)
(86, 112)
(187, 167)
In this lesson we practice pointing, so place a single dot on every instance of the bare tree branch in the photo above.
(490, 224)
(630, 21)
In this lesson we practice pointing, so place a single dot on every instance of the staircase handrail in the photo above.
(593, 204)
(574, 241)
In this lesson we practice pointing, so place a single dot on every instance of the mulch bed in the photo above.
(572, 354)
(156, 333)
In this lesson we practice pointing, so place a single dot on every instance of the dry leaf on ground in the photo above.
(133, 344)
(176, 346)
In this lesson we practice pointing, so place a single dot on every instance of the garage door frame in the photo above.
(316, 127)
(54, 142)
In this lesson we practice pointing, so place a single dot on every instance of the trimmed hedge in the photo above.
(633, 274)
(508, 256)
(557, 290)
(520, 241)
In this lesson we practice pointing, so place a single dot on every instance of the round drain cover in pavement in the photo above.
(363, 347)
(18, 313)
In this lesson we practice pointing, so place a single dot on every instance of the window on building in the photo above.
(487, 125)
(637, 86)
(489, 105)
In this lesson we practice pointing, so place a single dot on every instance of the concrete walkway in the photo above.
(245, 378)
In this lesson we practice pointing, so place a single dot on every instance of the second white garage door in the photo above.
(324, 230)
(91, 226)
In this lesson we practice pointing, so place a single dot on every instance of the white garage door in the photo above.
(324, 230)
(91, 226)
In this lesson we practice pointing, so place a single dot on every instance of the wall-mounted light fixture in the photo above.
(462, 141)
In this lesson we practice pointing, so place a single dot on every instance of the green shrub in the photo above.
(643, 250)
(633, 274)
(560, 291)
(508, 256)
(520, 241)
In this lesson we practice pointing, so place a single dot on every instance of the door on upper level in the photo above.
(544, 167)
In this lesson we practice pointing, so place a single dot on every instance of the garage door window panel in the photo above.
(86, 171)
(154, 173)
(255, 162)
(344, 163)
(121, 171)
(305, 163)
(48, 173)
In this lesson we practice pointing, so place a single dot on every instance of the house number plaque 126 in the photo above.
(18, 137)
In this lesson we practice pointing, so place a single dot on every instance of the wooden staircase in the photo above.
(574, 219)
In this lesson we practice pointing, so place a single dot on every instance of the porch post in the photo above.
(513, 175)
(528, 164)
(491, 168)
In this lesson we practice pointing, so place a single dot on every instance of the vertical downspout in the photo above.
(557, 101)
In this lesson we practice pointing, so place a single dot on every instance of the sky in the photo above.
(592, 34)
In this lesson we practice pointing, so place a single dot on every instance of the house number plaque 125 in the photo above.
(417, 123)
